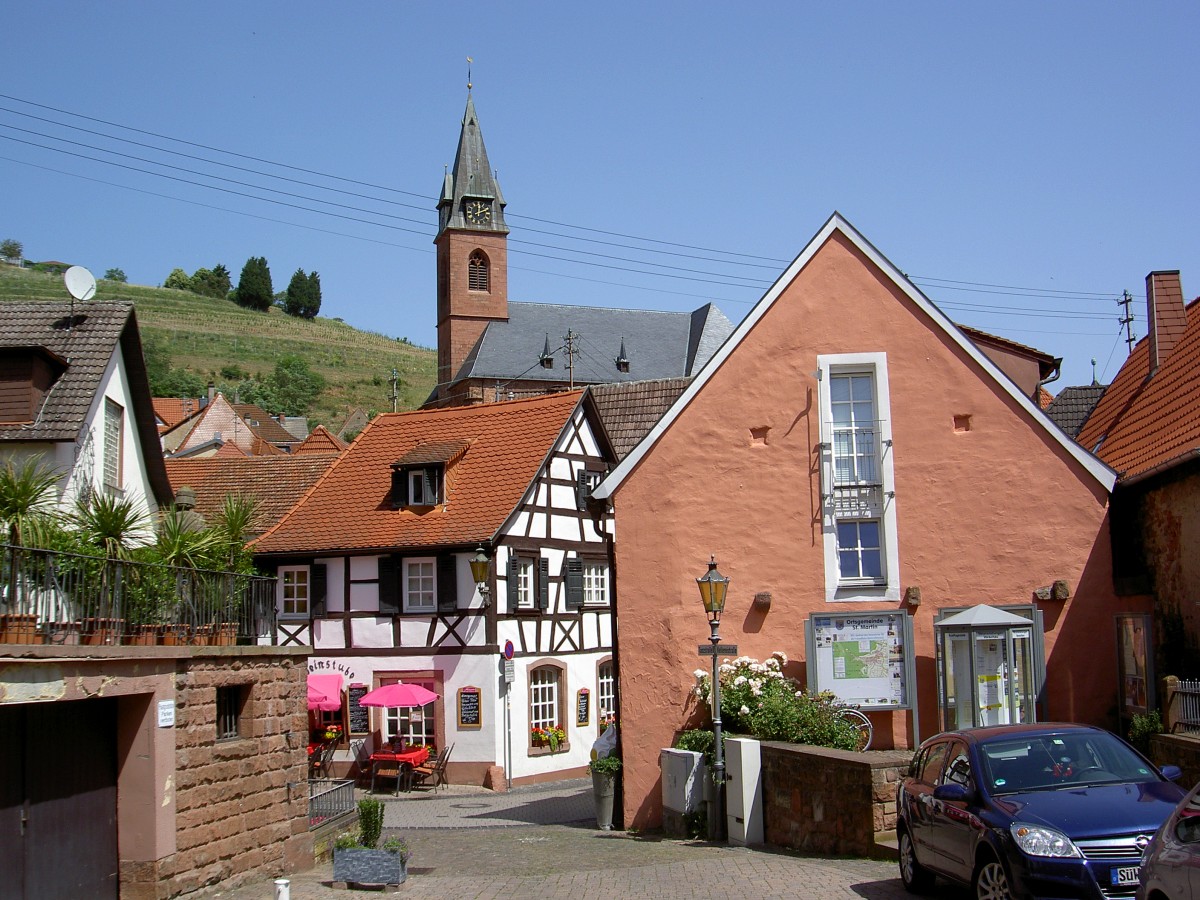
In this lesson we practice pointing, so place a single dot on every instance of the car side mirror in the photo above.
(955, 793)
(1171, 773)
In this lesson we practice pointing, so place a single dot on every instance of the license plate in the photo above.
(1124, 875)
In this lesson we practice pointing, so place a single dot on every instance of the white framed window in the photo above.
(420, 584)
(606, 693)
(422, 487)
(858, 497)
(114, 429)
(293, 589)
(545, 697)
(595, 583)
(522, 575)
(415, 724)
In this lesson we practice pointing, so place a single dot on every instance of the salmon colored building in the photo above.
(849, 450)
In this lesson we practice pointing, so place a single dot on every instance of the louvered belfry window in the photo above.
(478, 272)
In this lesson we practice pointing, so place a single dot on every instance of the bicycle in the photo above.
(861, 724)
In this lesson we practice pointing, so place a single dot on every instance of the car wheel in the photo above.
(991, 881)
(917, 879)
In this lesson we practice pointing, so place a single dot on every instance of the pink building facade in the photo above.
(974, 497)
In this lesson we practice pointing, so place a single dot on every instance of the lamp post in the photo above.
(713, 586)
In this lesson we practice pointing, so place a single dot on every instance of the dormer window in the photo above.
(419, 476)
(416, 486)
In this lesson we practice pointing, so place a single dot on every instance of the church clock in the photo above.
(479, 212)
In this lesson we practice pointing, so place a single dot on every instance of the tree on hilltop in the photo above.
(254, 287)
(11, 248)
(212, 282)
(178, 280)
(117, 275)
(303, 296)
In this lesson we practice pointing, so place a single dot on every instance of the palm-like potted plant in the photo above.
(114, 526)
(28, 518)
(357, 858)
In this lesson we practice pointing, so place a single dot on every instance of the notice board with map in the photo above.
(865, 659)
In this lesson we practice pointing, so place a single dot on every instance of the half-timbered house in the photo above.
(374, 569)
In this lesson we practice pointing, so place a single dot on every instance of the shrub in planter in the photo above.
(604, 771)
(355, 857)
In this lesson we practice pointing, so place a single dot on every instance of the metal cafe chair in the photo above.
(434, 772)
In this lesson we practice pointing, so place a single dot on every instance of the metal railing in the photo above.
(329, 799)
(68, 598)
(1186, 707)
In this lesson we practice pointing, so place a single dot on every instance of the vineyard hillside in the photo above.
(205, 334)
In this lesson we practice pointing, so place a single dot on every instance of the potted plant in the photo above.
(356, 858)
(552, 737)
(604, 771)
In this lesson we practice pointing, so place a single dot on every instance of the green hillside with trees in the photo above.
(191, 339)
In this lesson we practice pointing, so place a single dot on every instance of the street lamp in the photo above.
(479, 571)
(713, 586)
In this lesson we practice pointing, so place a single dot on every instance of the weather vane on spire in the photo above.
(469, 61)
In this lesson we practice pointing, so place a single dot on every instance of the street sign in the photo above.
(510, 671)
(717, 650)
(508, 649)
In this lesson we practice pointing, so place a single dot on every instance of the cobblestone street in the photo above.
(541, 841)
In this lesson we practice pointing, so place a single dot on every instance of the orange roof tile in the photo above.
(276, 482)
(321, 440)
(1142, 423)
(172, 411)
(350, 508)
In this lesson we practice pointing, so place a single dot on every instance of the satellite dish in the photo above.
(81, 284)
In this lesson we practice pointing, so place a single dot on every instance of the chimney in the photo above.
(1165, 315)
(212, 391)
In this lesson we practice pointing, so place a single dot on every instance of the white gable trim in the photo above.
(1098, 470)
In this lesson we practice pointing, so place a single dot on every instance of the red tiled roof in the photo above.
(173, 410)
(321, 440)
(350, 508)
(268, 429)
(276, 482)
(1146, 423)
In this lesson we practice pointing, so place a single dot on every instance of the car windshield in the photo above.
(1056, 761)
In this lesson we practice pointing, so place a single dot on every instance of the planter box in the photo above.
(223, 635)
(369, 867)
(144, 635)
(19, 629)
(102, 631)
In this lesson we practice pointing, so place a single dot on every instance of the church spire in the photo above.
(471, 197)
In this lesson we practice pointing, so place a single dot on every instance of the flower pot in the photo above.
(223, 635)
(99, 632)
(144, 635)
(175, 635)
(361, 866)
(63, 633)
(19, 629)
(603, 790)
(202, 635)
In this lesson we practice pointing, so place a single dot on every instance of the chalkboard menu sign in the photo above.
(470, 714)
(583, 707)
(359, 717)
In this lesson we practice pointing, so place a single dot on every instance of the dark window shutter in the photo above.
(389, 585)
(583, 489)
(317, 589)
(574, 583)
(511, 580)
(430, 477)
(447, 583)
(543, 583)
(399, 488)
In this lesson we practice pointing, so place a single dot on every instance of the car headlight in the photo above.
(1038, 841)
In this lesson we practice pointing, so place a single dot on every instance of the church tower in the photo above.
(472, 252)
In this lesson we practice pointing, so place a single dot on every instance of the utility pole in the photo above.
(570, 350)
(1127, 319)
(395, 388)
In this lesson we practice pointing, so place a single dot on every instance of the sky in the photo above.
(1023, 163)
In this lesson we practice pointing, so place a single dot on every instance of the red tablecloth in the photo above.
(409, 757)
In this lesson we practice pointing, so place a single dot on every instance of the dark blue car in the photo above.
(1047, 810)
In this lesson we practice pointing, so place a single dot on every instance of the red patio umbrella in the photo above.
(325, 692)
(398, 694)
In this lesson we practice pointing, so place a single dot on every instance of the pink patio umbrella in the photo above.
(398, 694)
(325, 692)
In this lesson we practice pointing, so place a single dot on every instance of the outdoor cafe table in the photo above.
(408, 760)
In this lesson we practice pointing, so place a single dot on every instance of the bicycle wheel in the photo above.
(861, 724)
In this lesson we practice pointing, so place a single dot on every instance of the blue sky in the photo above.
(1024, 163)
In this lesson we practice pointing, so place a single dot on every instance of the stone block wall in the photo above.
(829, 801)
(241, 803)
(1181, 750)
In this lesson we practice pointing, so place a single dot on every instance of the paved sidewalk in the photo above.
(542, 841)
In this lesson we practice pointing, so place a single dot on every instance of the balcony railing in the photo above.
(48, 597)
